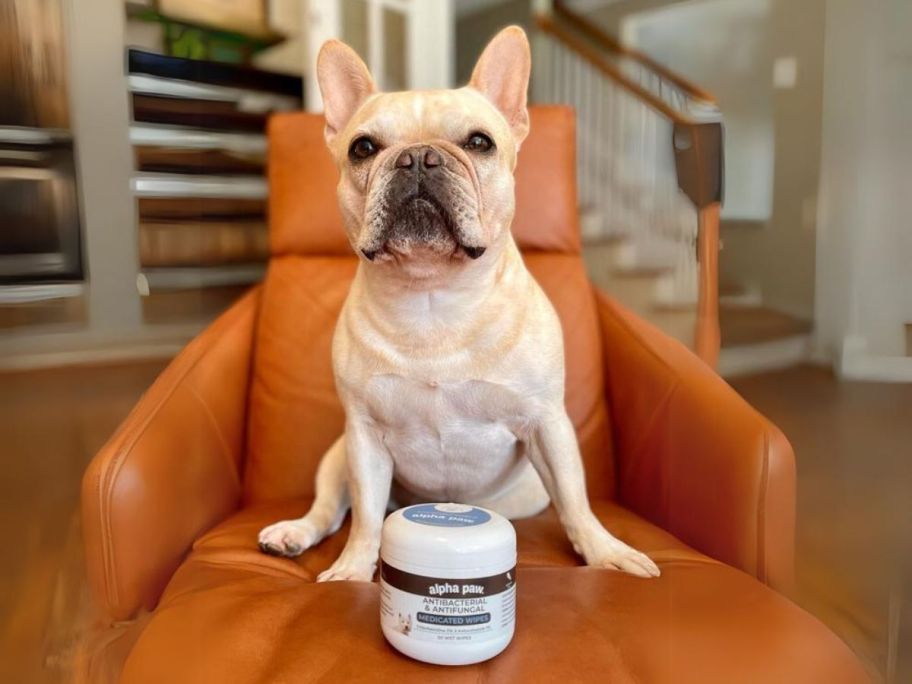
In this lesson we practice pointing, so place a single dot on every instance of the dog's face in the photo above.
(426, 178)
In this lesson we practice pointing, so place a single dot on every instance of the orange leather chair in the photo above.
(228, 439)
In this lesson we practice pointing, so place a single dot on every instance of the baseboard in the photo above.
(748, 359)
(90, 357)
(53, 350)
(855, 363)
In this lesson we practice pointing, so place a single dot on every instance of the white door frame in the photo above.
(430, 40)
(322, 21)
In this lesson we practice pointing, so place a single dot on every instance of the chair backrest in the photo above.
(295, 414)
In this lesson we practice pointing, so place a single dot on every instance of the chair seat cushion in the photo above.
(232, 614)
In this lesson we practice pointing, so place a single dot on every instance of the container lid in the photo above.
(448, 535)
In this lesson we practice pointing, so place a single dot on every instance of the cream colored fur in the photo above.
(450, 368)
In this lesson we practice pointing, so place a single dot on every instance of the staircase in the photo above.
(650, 174)
(757, 338)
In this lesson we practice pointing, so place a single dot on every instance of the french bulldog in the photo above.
(448, 357)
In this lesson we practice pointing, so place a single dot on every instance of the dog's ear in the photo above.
(502, 75)
(345, 83)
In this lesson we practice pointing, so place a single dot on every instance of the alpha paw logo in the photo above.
(447, 589)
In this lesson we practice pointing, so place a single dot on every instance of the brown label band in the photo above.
(478, 587)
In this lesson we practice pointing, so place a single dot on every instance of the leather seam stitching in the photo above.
(658, 408)
(130, 439)
(603, 302)
(219, 433)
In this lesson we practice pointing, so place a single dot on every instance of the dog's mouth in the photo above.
(421, 225)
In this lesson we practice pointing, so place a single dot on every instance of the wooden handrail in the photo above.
(591, 55)
(699, 165)
(609, 42)
(707, 338)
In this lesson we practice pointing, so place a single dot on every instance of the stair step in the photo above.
(763, 357)
(729, 289)
(610, 239)
(641, 272)
(674, 307)
(615, 264)
(736, 295)
(744, 325)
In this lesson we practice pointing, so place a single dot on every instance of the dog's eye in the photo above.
(362, 148)
(478, 142)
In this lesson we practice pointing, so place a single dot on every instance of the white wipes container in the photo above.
(448, 583)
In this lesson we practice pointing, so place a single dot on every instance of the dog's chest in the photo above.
(447, 440)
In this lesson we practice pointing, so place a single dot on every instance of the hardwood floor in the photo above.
(853, 446)
(51, 424)
(855, 474)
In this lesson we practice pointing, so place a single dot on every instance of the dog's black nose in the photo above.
(432, 158)
(427, 158)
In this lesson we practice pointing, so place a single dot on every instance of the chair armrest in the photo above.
(171, 470)
(692, 456)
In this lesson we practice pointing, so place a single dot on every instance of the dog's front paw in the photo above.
(618, 556)
(354, 569)
(288, 538)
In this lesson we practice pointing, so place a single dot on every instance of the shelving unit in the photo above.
(210, 187)
(198, 135)
(182, 278)
(173, 196)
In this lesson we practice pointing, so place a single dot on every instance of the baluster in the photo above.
(601, 134)
(579, 104)
(655, 211)
(642, 217)
(539, 41)
(616, 151)
(591, 133)
(554, 74)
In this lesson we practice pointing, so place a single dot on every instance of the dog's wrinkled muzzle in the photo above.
(424, 208)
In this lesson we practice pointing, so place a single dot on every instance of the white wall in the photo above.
(772, 135)
(723, 46)
(864, 244)
(100, 113)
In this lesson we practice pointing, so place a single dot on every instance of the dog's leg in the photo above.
(522, 499)
(292, 537)
(554, 452)
(370, 474)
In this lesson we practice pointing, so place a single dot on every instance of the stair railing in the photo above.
(649, 158)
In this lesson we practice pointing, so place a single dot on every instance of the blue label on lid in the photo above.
(446, 515)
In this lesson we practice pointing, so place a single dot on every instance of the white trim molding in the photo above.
(856, 363)
(56, 348)
(748, 359)
(322, 20)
